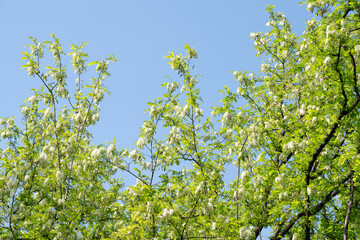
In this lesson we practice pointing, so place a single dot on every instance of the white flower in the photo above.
(327, 31)
(32, 99)
(244, 175)
(257, 180)
(132, 154)
(11, 183)
(279, 178)
(59, 175)
(153, 111)
(229, 132)
(43, 157)
(283, 195)
(327, 61)
(149, 207)
(52, 149)
(95, 153)
(25, 110)
(343, 23)
(46, 182)
(27, 178)
(244, 233)
(357, 48)
(289, 146)
(210, 206)
(140, 143)
(308, 189)
(213, 226)
(226, 117)
(183, 88)
(295, 236)
(310, 7)
(61, 201)
(253, 35)
(95, 117)
(110, 148)
(47, 113)
(199, 188)
(314, 119)
(301, 112)
(239, 193)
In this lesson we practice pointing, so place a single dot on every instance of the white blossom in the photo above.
(46, 182)
(357, 48)
(289, 146)
(279, 178)
(32, 99)
(43, 157)
(11, 183)
(295, 236)
(95, 154)
(308, 190)
(132, 154)
(226, 117)
(244, 233)
(140, 143)
(327, 61)
(153, 111)
(95, 117)
(27, 178)
(310, 7)
(61, 201)
(47, 113)
(301, 112)
(59, 175)
(244, 175)
(199, 188)
(239, 193)
(183, 88)
(314, 119)
(110, 149)
(213, 226)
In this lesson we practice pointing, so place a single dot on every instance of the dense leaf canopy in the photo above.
(294, 145)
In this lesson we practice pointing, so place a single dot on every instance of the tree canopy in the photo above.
(294, 145)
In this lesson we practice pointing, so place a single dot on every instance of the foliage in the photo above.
(294, 147)
(54, 184)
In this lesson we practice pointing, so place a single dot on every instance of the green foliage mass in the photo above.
(295, 146)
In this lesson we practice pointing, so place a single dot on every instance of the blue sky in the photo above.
(139, 33)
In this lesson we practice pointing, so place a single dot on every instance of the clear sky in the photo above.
(139, 33)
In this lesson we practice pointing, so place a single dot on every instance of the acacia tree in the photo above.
(294, 145)
(53, 183)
